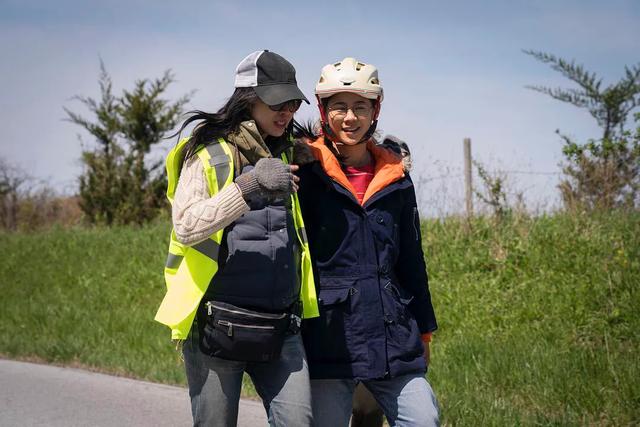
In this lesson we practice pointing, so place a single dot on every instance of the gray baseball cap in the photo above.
(272, 77)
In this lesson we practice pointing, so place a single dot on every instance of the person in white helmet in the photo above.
(363, 228)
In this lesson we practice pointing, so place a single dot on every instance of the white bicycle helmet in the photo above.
(349, 75)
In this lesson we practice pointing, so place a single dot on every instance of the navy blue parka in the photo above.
(371, 276)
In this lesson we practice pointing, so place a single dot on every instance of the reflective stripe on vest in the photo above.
(189, 269)
(307, 286)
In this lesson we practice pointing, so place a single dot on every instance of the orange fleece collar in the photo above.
(388, 167)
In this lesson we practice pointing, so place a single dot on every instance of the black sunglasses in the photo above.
(292, 106)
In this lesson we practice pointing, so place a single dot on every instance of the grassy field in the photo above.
(539, 317)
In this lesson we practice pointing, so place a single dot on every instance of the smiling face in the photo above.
(349, 116)
(270, 123)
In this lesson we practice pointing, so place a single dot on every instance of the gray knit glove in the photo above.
(270, 179)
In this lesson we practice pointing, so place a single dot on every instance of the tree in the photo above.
(609, 106)
(118, 185)
(604, 172)
(494, 194)
(12, 183)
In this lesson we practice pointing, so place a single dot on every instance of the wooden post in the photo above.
(468, 187)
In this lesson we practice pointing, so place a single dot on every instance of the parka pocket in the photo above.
(333, 296)
(335, 308)
(402, 299)
(327, 336)
(403, 296)
(402, 327)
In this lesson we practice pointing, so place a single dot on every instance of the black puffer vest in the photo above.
(258, 261)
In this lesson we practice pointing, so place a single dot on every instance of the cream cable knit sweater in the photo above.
(196, 215)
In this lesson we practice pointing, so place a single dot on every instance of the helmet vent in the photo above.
(349, 75)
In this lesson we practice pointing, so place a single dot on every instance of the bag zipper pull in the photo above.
(209, 308)
(229, 326)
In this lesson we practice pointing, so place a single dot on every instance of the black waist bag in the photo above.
(235, 333)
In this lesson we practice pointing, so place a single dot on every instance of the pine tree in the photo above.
(603, 173)
(118, 185)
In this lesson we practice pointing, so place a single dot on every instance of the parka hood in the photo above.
(303, 154)
(388, 166)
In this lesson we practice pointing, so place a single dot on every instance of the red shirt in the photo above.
(360, 177)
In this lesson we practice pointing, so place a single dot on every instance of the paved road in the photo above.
(41, 395)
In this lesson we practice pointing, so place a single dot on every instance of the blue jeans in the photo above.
(407, 400)
(214, 385)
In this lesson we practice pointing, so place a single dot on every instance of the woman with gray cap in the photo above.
(238, 272)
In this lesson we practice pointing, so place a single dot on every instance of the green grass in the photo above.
(88, 296)
(539, 321)
(539, 317)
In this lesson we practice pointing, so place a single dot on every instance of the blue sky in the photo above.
(449, 71)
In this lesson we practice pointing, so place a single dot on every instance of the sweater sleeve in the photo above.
(411, 268)
(195, 215)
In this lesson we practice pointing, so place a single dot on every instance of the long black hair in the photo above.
(224, 122)
(308, 129)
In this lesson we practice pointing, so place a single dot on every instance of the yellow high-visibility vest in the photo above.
(189, 269)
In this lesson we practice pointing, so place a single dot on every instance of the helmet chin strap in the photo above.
(329, 133)
(369, 132)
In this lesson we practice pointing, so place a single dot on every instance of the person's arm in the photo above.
(195, 214)
(411, 268)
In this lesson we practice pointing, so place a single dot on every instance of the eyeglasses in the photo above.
(292, 106)
(340, 110)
